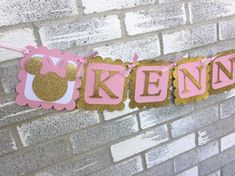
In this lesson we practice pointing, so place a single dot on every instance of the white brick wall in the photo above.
(81, 32)
(195, 121)
(226, 29)
(190, 172)
(19, 37)
(211, 9)
(92, 6)
(147, 48)
(196, 139)
(139, 143)
(21, 11)
(115, 114)
(7, 142)
(154, 19)
(227, 141)
(189, 38)
(170, 150)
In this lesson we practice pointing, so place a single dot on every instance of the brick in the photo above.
(7, 98)
(189, 38)
(155, 18)
(211, 9)
(10, 108)
(194, 121)
(147, 48)
(21, 11)
(217, 173)
(216, 130)
(92, 6)
(190, 172)
(229, 170)
(155, 116)
(127, 168)
(115, 114)
(56, 125)
(191, 158)
(1, 91)
(227, 141)
(9, 75)
(170, 150)
(167, 1)
(213, 49)
(7, 142)
(227, 108)
(85, 164)
(216, 162)
(80, 32)
(12, 113)
(139, 143)
(29, 160)
(20, 38)
(214, 99)
(101, 134)
(163, 169)
(226, 29)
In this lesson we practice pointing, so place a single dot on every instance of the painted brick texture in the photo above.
(80, 32)
(196, 139)
(21, 11)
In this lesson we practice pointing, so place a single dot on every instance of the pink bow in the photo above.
(174, 64)
(13, 48)
(206, 61)
(48, 66)
(132, 65)
(82, 61)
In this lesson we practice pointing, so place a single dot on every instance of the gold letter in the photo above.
(101, 84)
(222, 67)
(147, 83)
(190, 76)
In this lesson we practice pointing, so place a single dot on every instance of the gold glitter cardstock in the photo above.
(140, 84)
(191, 80)
(104, 85)
(220, 66)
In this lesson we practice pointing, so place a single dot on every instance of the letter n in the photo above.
(223, 73)
(190, 81)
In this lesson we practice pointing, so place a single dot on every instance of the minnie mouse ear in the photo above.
(33, 66)
(71, 72)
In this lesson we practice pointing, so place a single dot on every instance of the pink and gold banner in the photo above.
(52, 79)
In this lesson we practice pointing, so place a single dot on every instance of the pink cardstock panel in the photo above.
(226, 81)
(24, 88)
(193, 90)
(115, 83)
(152, 89)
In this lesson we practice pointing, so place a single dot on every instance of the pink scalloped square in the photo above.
(162, 87)
(219, 78)
(192, 68)
(116, 84)
(56, 63)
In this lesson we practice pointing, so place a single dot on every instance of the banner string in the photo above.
(84, 60)
(13, 48)
(178, 57)
(207, 60)
(132, 65)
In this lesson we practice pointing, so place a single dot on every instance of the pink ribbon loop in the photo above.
(13, 48)
(174, 64)
(206, 61)
(83, 60)
(132, 65)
